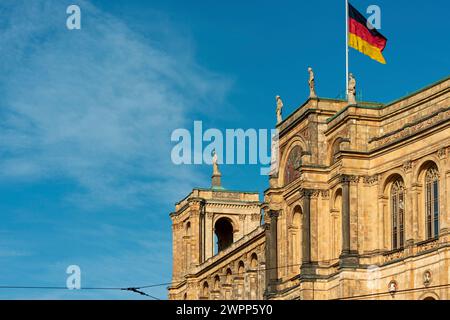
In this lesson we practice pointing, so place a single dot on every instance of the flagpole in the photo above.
(346, 49)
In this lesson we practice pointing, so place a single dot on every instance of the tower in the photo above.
(208, 221)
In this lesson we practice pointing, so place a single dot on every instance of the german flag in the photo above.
(364, 39)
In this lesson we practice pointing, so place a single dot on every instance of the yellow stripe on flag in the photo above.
(366, 48)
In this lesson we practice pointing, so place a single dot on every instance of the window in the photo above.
(432, 202)
(295, 234)
(254, 261)
(224, 234)
(241, 268)
(216, 282)
(293, 164)
(228, 276)
(205, 290)
(398, 213)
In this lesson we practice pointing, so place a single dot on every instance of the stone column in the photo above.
(444, 196)
(306, 268)
(274, 244)
(345, 216)
(415, 188)
(306, 228)
(271, 251)
(348, 258)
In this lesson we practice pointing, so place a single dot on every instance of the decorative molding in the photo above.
(442, 153)
(242, 217)
(306, 192)
(396, 255)
(305, 134)
(325, 194)
(346, 178)
(314, 193)
(226, 195)
(407, 165)
(255, 216)
(210, 215)
(372, 179)
(234, 205)
(413, 128)
(427, 278)
(428, 245)
(273, 214)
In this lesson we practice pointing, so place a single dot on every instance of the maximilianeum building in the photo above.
(358, 209)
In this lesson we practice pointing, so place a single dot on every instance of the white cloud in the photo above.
(96, 105)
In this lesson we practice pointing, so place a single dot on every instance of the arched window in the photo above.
(295, 231)
(336, 226)
(239, 286)
(398, 213)
(293, 163)
(228, 276)
(254, 261)
(224, 233)
(241, 268)
(205, 290)
(432, 202)
(216, 282)
(253, 279)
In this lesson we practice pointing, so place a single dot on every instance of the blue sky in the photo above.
(86, 116)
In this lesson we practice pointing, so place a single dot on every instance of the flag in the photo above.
(364, 39)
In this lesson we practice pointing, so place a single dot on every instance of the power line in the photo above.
(131, 289)
(135, 289)
(138, 289)
(141, 293)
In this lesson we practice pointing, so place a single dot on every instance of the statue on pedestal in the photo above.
(351, 89)
(312, 89)
(216, 176)
(214, 162)
(279, 109)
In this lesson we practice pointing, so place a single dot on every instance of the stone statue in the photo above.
(312, 89)
(215, 165)
(351, 89)
(274, 152)
(279, 109)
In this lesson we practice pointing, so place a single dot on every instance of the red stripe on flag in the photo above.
(364, 33)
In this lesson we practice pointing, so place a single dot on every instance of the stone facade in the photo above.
(358, 209)
(202, 270)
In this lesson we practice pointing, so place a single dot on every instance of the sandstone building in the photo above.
(357, 209)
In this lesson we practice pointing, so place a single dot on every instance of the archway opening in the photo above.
(223, 230)
(205, 290)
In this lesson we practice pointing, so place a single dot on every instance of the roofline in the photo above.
(361, 103)
(215, 190)
(225, 190)
(365, 104)
(417, 91)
